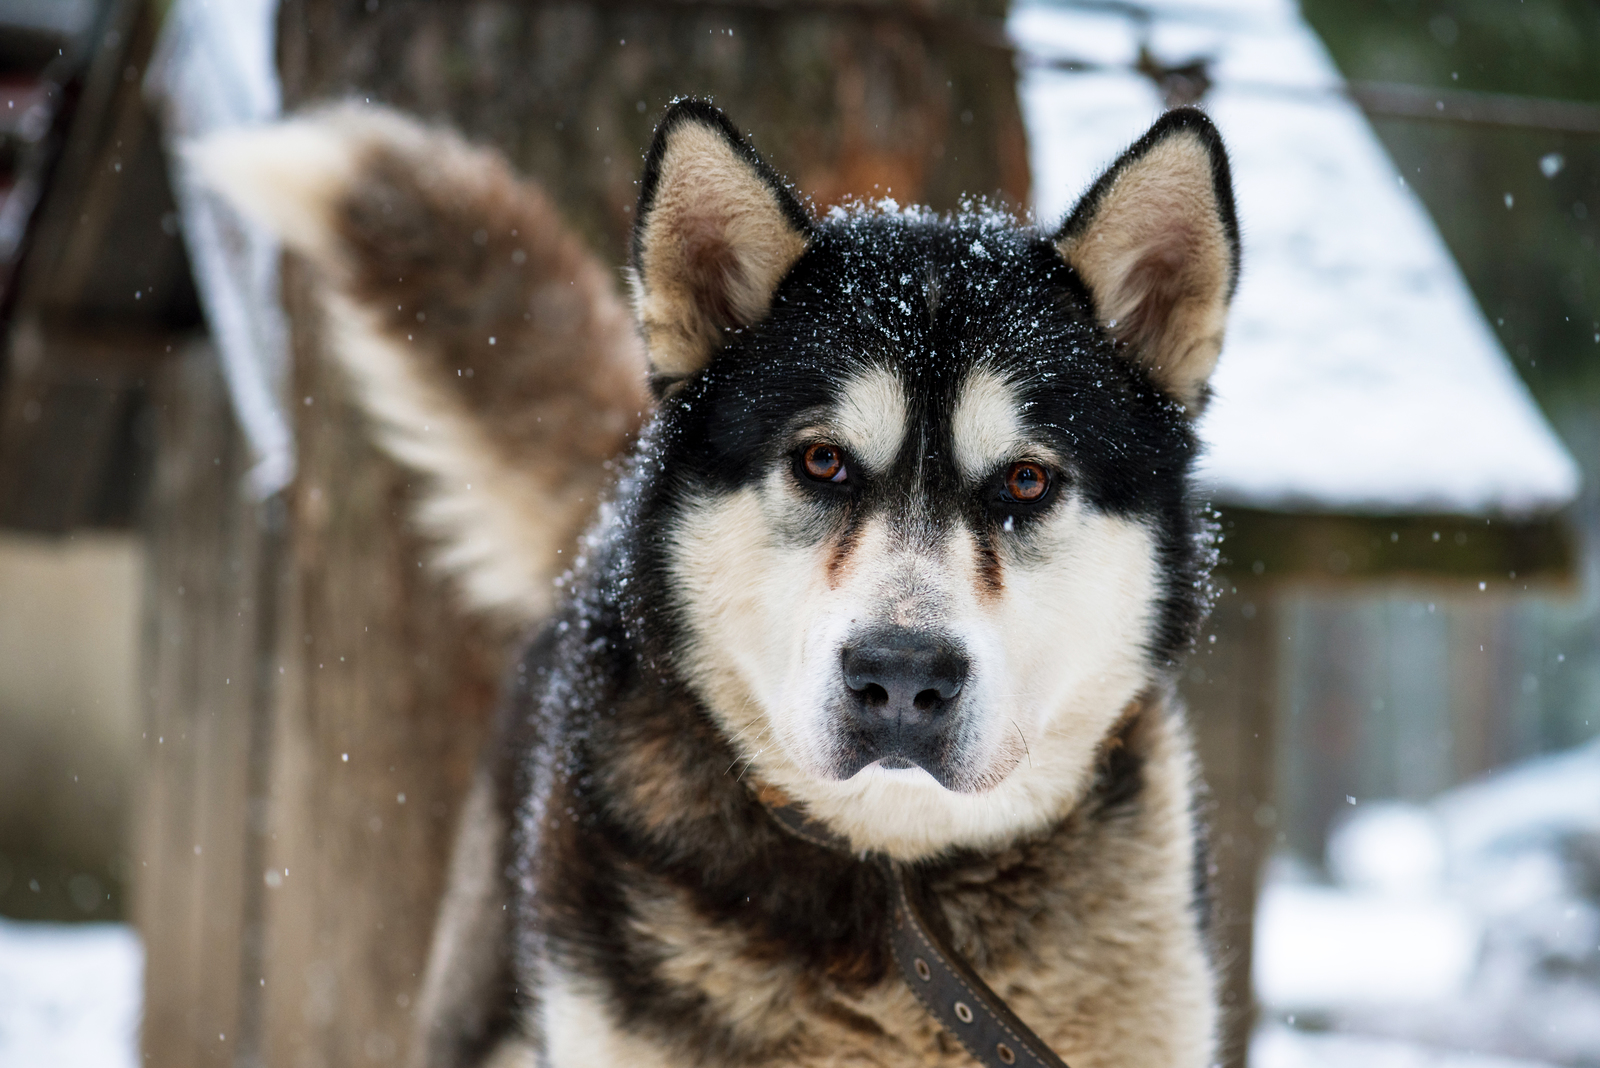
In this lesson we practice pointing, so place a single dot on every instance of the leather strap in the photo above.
(941, 980)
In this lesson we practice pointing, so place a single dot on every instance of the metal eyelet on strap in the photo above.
(923, 971)
(963, 1013)
(1003, 1051)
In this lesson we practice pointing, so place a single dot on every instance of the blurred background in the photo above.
(1398, 703)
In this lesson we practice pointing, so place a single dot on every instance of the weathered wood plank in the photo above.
(195, 857)
(1506, 554)
(103, 270)
(70, 451)
(105, 246)
(1232, 688)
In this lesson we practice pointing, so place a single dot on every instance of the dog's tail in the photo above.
(492, 352)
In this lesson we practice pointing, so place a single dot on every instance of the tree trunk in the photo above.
(915, 101)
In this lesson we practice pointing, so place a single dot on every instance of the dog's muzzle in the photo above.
(902, 687)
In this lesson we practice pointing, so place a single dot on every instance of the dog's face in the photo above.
(925, 507)
(921, 504)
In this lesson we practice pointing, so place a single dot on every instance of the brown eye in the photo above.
(1026, 482)
(823, 462)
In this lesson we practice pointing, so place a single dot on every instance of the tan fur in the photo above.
(1157, 259)
(984, 424)
(871, 419)
(714, 247)
(1097, 949)
(489, 347)
(579, 1029)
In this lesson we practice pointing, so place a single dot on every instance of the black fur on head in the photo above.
(931, 297)
(1101, 326)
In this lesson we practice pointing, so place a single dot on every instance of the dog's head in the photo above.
(918, 503)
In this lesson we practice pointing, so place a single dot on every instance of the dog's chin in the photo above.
(900, 768)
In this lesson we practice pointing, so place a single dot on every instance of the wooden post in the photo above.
(212, 569)
(913, 100)
(1231, 685)
(387, 690)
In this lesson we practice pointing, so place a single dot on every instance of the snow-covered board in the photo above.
(1359, 374)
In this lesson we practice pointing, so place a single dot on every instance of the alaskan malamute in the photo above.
(905, 543)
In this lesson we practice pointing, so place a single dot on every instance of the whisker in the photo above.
(1028, 752)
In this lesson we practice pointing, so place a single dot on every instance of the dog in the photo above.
(902, 537)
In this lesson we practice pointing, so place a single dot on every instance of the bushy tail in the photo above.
(492, 351)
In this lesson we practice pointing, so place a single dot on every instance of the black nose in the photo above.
(903, 675)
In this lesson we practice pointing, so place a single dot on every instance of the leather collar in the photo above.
(945, 984)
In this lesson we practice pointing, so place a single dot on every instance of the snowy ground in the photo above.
(69, 995)
(1470, 923)
(1276, 1046)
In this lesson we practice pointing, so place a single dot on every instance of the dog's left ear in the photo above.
(715, 233)
(1157, 243)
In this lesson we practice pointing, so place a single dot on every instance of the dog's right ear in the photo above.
(1156, 242)
(715, 233)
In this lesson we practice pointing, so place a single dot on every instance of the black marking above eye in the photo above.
(823, 461)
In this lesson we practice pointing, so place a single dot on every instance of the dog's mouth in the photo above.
(858, 755)
(941, 758)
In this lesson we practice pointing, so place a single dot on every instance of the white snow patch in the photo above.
(69, 995)
(1359, 373)
(1389, 848)
(215, 67)
(1318, 945)
(1281, 1047)
(1526, 805)
(1472, 922)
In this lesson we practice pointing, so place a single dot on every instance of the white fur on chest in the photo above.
(580, 1030)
